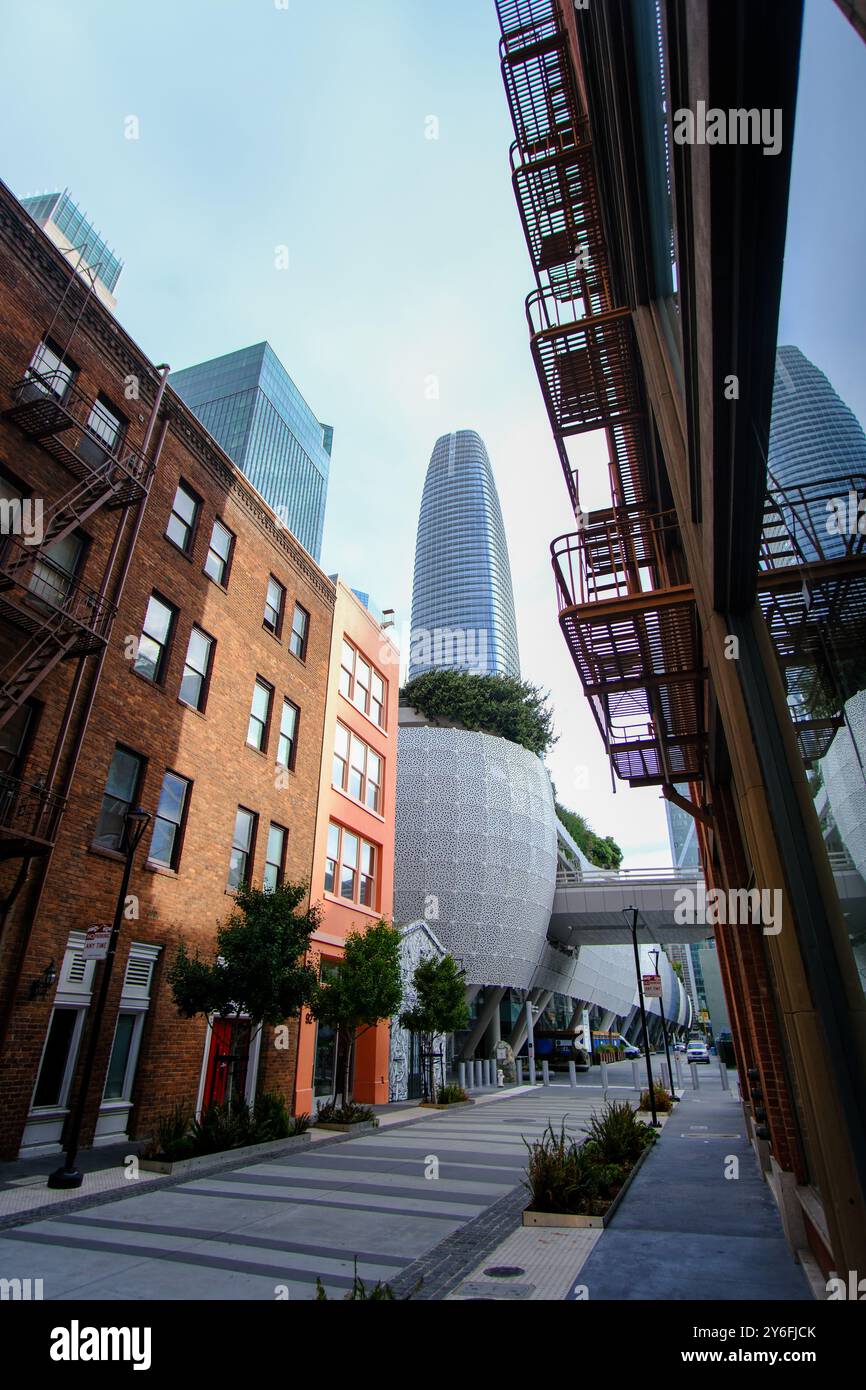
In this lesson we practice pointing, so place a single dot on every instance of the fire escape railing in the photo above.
(29, 817)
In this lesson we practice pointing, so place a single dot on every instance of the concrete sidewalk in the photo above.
(687, 1231)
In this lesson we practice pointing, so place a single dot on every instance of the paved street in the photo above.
(248, 1231)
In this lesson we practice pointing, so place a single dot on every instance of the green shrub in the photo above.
(271, 1119)
(451, 1094)
(491, 704)
(219, 1128)
(350, 1114)
(359, 1293)
(300, 1124)
(664, 1099)
(171, 1139)
(562, 1176)
(616, 1135)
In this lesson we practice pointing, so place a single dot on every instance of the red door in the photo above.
(226, 1077)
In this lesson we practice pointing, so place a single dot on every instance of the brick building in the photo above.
(164, 642)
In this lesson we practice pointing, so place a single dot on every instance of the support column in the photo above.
(489, 1010)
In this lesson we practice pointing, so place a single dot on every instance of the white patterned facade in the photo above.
(476, 849)
(417, 943)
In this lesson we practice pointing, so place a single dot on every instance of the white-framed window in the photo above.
(362, 684)
(357, 769)
(350, 866)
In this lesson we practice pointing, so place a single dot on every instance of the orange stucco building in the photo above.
(353, 860)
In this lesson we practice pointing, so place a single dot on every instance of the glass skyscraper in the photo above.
(255, 412)
(75, 235)
(462, 600)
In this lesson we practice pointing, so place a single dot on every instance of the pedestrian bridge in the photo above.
(593, 907)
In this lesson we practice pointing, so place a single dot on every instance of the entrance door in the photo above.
(228, 1060)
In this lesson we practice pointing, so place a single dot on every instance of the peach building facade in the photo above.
(353, 860)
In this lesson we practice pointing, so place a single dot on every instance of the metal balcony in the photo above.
(632, 630)
(64, 421)
(539, 83)
(29, 818)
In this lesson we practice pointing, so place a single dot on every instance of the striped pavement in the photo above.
(268, 1230)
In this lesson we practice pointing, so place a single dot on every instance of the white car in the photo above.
(697, 1052)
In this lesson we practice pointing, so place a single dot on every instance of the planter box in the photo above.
(447, 1105)
(646, 1117)
(572, 1220)
(361, 1127)
(191, 1165)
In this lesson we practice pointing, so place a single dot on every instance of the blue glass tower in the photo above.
(255, 412)
(815, 440)
(462, 600)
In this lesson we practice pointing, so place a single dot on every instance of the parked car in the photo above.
(697, 1052)
(679, 1047)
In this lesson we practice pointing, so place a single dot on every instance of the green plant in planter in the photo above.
(616, 1135)
(271, 1118)
(451, 1094)
(664, 1099)
(171, 1140)
(219, 1128)
(359, 1293)
(349, 1114)
(560, 1175)
(300, 1124)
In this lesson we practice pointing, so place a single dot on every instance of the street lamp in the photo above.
(134, 826)
(655, 955)
(646, 1047)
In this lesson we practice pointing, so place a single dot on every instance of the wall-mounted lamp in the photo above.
(45, 983)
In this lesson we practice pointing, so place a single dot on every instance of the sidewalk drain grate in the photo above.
(478, 1291)
(504, 1271)
(708, 1135)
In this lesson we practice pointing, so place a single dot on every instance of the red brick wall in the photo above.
(82, 884)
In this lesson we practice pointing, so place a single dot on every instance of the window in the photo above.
(242, 847)
(55, 571)
(196, 670)
(154, 640)
(356, 769)
(119, 1061)
(362, 684)
(105, 422)
(62, 1035)
(54, 373)
(347, 670)
(274, 601)
(260, 714)
(219, 554)
(350, 866)
(168, 824)
(120, 795)
(273, 875)
(300, 628)
(181, 522)
(288, 742)
(361, 697)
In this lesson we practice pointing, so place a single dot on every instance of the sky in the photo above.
(270, 132)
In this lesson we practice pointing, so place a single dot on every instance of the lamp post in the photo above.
(135, 824)
(655, 955)
(646, 1046)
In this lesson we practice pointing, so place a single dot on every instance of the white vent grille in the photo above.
(139, 970)
(77, 968)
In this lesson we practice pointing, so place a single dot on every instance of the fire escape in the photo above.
(626, 607)
(55, 616)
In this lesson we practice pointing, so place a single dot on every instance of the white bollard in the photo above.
(532, 1071)
(572, 1074)
(479, 1075)
(461, 1075)
(635, 1076)
(518, 1070)
(678, 1068)
(723, 1072)
(604, 1085)
(696, 1085)
(545, 1074)
(488, 1072)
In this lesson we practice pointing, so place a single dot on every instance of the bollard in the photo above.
(461, 1075)
(678, 1067)
(635, 1076)
(696, 1085)
(545, 1074)
(604, 1079)
(532, 1071)
(488, 1072)
(518, 1069)
(500, 1077)
(572, 1074)
(479, 1075)
(724, 1075)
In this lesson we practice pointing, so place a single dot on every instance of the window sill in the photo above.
(367, 720)
(224, 588)
(274, 635)
(153, 685)
(187, 554)
(351, 906)
(103, 853)
(192, 709)
(259, 752)
(376, 815)
(160, 869)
